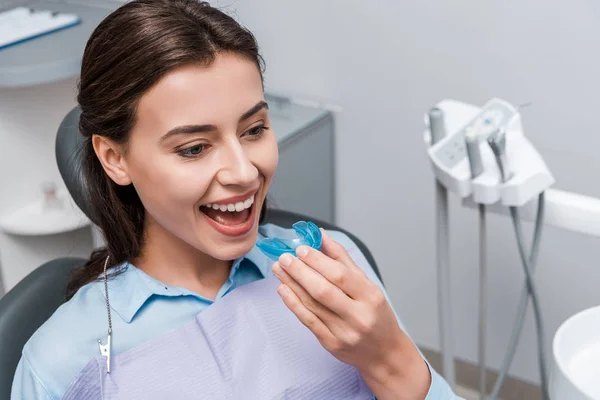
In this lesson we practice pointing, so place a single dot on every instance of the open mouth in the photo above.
(233, 218)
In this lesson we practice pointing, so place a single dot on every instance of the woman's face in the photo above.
(202, 155)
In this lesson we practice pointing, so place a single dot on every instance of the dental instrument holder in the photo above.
(465, 164)
(528, 174)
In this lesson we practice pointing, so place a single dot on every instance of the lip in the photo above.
(236, 230)
(235, 199)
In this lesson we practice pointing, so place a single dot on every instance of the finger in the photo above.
(326, 315)
(305, 316)
(316, 285)
(338, 273)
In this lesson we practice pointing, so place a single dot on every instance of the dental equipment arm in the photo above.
(438, 131)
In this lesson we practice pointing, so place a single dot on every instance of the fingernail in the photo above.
(302, 251)
(276, 268)
(285, 259)
(324, 232)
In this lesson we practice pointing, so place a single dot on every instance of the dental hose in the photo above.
(438, 131)
(476, 167)
(528, 267)
(497, 143)
(534, 298)
(482, 301)
(444, 301)
(522, 309)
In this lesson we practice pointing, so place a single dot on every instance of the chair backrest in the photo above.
(68, 149)
(25, 308)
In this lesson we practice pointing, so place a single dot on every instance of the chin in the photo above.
(227, 250)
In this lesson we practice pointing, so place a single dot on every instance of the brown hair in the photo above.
(129, 51)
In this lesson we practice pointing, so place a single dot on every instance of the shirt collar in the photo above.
(256, 257)
(129, 290)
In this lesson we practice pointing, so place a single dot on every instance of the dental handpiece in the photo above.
(497, 142)
(436, 125)
(473, 152)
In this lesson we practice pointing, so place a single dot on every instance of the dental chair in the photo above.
(33, 300)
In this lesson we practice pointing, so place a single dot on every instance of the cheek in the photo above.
(169, 186)
(266, 157)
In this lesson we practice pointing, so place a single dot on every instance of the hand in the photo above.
(349, 315)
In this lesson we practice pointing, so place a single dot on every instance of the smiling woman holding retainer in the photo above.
(178, 159)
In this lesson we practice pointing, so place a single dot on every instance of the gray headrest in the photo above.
(69, 157)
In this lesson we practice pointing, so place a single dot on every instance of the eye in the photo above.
(256, 132)
(192, 151)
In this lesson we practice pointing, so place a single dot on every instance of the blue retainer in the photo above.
(308, 234)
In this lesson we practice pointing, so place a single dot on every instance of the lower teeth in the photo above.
(228, 218)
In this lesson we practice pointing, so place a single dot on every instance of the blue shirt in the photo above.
(142, 308)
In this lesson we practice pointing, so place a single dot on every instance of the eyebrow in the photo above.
(211, 128)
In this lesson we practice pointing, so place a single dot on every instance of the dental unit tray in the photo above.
(21, 24)
(529, 174)
(308, 234)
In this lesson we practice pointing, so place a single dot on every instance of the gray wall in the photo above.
(386, 62)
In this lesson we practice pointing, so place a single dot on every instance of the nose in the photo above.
(236, 166)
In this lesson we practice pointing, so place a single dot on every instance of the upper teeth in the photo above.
(239, 206)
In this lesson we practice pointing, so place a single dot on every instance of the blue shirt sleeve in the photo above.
(439, 388)
(26, 385)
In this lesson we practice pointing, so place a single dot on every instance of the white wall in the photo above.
(29, 119)
(386, 62)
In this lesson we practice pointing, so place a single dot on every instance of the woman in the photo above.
(179, 156)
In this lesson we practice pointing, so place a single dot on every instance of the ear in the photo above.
(111, 157)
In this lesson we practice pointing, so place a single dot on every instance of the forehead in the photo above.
(217, 94)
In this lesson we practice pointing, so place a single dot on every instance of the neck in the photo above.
(175, 263)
